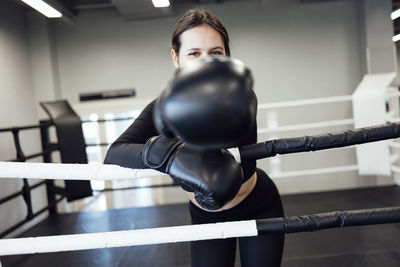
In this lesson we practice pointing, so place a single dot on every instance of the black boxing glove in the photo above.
(157, 151)
(213, 175)
(161, 127)
(208, 104)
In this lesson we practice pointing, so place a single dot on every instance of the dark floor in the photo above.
(365, 246)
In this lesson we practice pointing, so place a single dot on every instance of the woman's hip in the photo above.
(263, 202)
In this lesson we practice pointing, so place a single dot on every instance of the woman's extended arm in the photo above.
(126, 151)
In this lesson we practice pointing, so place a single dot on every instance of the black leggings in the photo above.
(263, 202)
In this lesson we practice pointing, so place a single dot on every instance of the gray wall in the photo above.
(101, 51)
(295, 50)
(43, 65)
(17, 106)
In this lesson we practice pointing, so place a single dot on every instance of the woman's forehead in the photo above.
(201, 37)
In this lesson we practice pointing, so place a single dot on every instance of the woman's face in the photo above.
(198, 42)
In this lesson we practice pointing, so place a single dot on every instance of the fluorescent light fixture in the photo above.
(160, 3)
(396, 38)
(43, 8)
(395, 14)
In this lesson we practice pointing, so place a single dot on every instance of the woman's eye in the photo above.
(216, 53)
(194, 53)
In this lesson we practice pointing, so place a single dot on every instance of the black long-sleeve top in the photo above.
(126, 151)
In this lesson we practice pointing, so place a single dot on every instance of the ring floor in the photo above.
(366, 246)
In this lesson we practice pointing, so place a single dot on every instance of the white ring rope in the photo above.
(68, 171)
(31, 245)
(65, 171)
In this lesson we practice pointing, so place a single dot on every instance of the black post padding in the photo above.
(320, 142)
(307, 223)
(26, 194)
(17, 144)
(71, 142)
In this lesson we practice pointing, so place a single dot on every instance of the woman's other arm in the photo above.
(126, 151)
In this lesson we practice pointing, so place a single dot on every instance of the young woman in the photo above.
(200, 34)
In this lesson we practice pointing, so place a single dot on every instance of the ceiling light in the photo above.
(395, 14)
(396, 38)
(160, 3)
(43, 8)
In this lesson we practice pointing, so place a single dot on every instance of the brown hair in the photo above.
(196, 17)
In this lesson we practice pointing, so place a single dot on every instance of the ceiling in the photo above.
(137, 9)
(131, 9)
(140, 9)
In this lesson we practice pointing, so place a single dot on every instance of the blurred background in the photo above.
(110, 58)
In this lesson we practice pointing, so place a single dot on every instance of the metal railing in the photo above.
(51, 189)
(26, 190)
(55, 194)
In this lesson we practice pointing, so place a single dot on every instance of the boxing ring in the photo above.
(206, 231)
(168, 234)
(185, 233)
